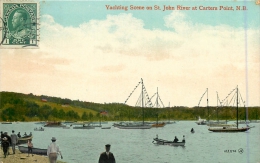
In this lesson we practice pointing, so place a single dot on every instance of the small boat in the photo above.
(158, 124)
(167, 142)
(40, 123)
(243, 122)
(6, 122)
(54, 124)
(228, 129)
(84, 127)
(39, 129)
(255, 121)
(36, 151)
(105, 127)
(24, 140)
(201, 121)
(66, 127)
(129, 125)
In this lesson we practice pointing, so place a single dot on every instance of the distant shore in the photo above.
(22, 158)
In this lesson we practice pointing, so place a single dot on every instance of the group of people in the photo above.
(53, 149)
(7, 141)
(176, 139)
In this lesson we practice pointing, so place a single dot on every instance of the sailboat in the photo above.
(128, 125)
(219, 123)
(157, 124)
(230, 129)
(203, 121)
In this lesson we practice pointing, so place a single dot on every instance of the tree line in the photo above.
(25, 107)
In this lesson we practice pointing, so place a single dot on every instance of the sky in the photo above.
(89, 53)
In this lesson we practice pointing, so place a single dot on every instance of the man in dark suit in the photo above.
(107, 157)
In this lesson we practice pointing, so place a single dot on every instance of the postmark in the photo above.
(19, 24)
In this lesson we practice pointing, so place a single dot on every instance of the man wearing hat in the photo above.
(14, 140)
(53, 151)
(107, 157)
(5, 144)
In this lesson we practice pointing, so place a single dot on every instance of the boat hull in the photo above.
(135, 127)
(105, 127)
(228, 129)
(36, 151)
(158, 125)
(24, 140)
(39, 129)
(85, 127)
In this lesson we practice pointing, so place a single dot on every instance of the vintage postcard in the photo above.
(131, 81)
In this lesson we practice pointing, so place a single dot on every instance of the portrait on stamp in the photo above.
(20, 25)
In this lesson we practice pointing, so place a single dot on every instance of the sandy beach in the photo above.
(22, 157)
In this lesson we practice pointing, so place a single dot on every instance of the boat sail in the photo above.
(128, 125)
(231, 129)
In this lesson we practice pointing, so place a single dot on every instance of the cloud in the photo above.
(107, 58)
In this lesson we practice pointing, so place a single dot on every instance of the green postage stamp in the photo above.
(19, 24)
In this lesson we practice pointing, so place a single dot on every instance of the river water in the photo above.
(135, 145)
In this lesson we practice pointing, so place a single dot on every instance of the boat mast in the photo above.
(217, 107)
(157, 105)
(142, 99)
(208, 104)
(237, 107)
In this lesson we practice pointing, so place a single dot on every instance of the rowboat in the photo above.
(39, 129)
(24, 140)
(167, 142)
(36, 151)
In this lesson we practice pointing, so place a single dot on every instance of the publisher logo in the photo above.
(240, 150)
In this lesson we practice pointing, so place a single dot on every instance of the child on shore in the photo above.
(30, 145)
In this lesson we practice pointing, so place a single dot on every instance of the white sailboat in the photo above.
(143, 125)
(230, 129)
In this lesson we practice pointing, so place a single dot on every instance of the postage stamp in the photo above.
(19, 24)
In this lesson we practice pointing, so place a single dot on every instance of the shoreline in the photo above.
(22, 157)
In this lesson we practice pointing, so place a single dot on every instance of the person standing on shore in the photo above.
(107, 157)
(14, 140)
(30, 146)
(53, 151)
(5, 144)
(9, 141)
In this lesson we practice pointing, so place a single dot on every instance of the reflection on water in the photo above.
(135, 145)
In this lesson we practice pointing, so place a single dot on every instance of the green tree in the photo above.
(90, 115)
(84, 116)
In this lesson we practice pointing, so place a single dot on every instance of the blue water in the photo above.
(135, 145)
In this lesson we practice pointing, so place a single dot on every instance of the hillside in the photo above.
(29, 107)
